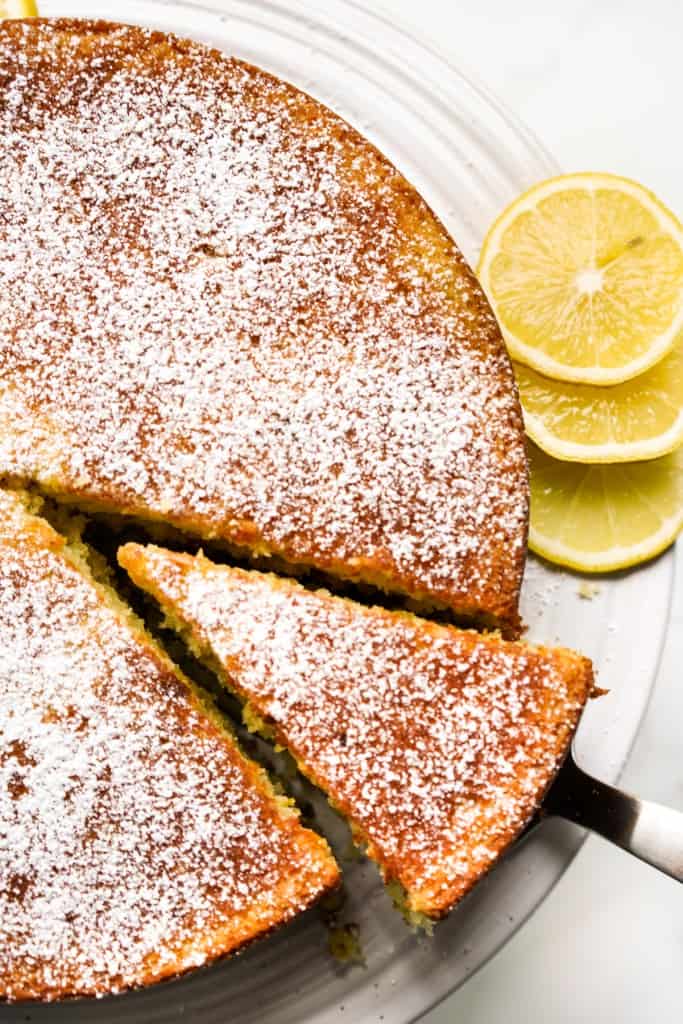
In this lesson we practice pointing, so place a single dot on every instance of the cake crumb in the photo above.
(344, 944)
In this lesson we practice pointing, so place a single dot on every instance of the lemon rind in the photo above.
(587, 179)
(611, 560)
(596, 375)
(603, 454)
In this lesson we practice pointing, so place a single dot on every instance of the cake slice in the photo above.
(223, 308)
(136, 841)
(437, 744)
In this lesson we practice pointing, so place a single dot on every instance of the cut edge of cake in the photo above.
(183, 531)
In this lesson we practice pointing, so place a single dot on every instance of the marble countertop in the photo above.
(600, 84)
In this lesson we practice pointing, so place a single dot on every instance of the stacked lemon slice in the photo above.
(585, 273)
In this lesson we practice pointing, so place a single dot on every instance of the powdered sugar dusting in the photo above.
(221, 306)
(437, 743)
(134, 842)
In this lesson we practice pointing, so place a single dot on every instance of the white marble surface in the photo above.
(600, 82)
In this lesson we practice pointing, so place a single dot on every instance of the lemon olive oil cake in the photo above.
(136, 841)
(437, 744)
(223, 308)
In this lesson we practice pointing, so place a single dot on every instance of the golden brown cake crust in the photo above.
(136, 842)
(438, 744)
(222, 307)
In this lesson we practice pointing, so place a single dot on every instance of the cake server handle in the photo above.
(649, 831)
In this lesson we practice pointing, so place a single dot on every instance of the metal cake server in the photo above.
(649, 831)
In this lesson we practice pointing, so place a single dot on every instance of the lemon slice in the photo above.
(599, 518)
(585, 274)
(18, 9)
(639, 419)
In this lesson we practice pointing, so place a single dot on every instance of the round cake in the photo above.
(227, 319)
(223, 308)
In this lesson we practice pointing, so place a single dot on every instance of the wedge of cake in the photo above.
(136, 841)
(437, 744)
(223, 308)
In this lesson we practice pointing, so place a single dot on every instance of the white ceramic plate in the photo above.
(468, 157)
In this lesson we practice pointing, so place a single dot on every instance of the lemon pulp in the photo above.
(599, 518)
(639, 419)
(585, 274)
